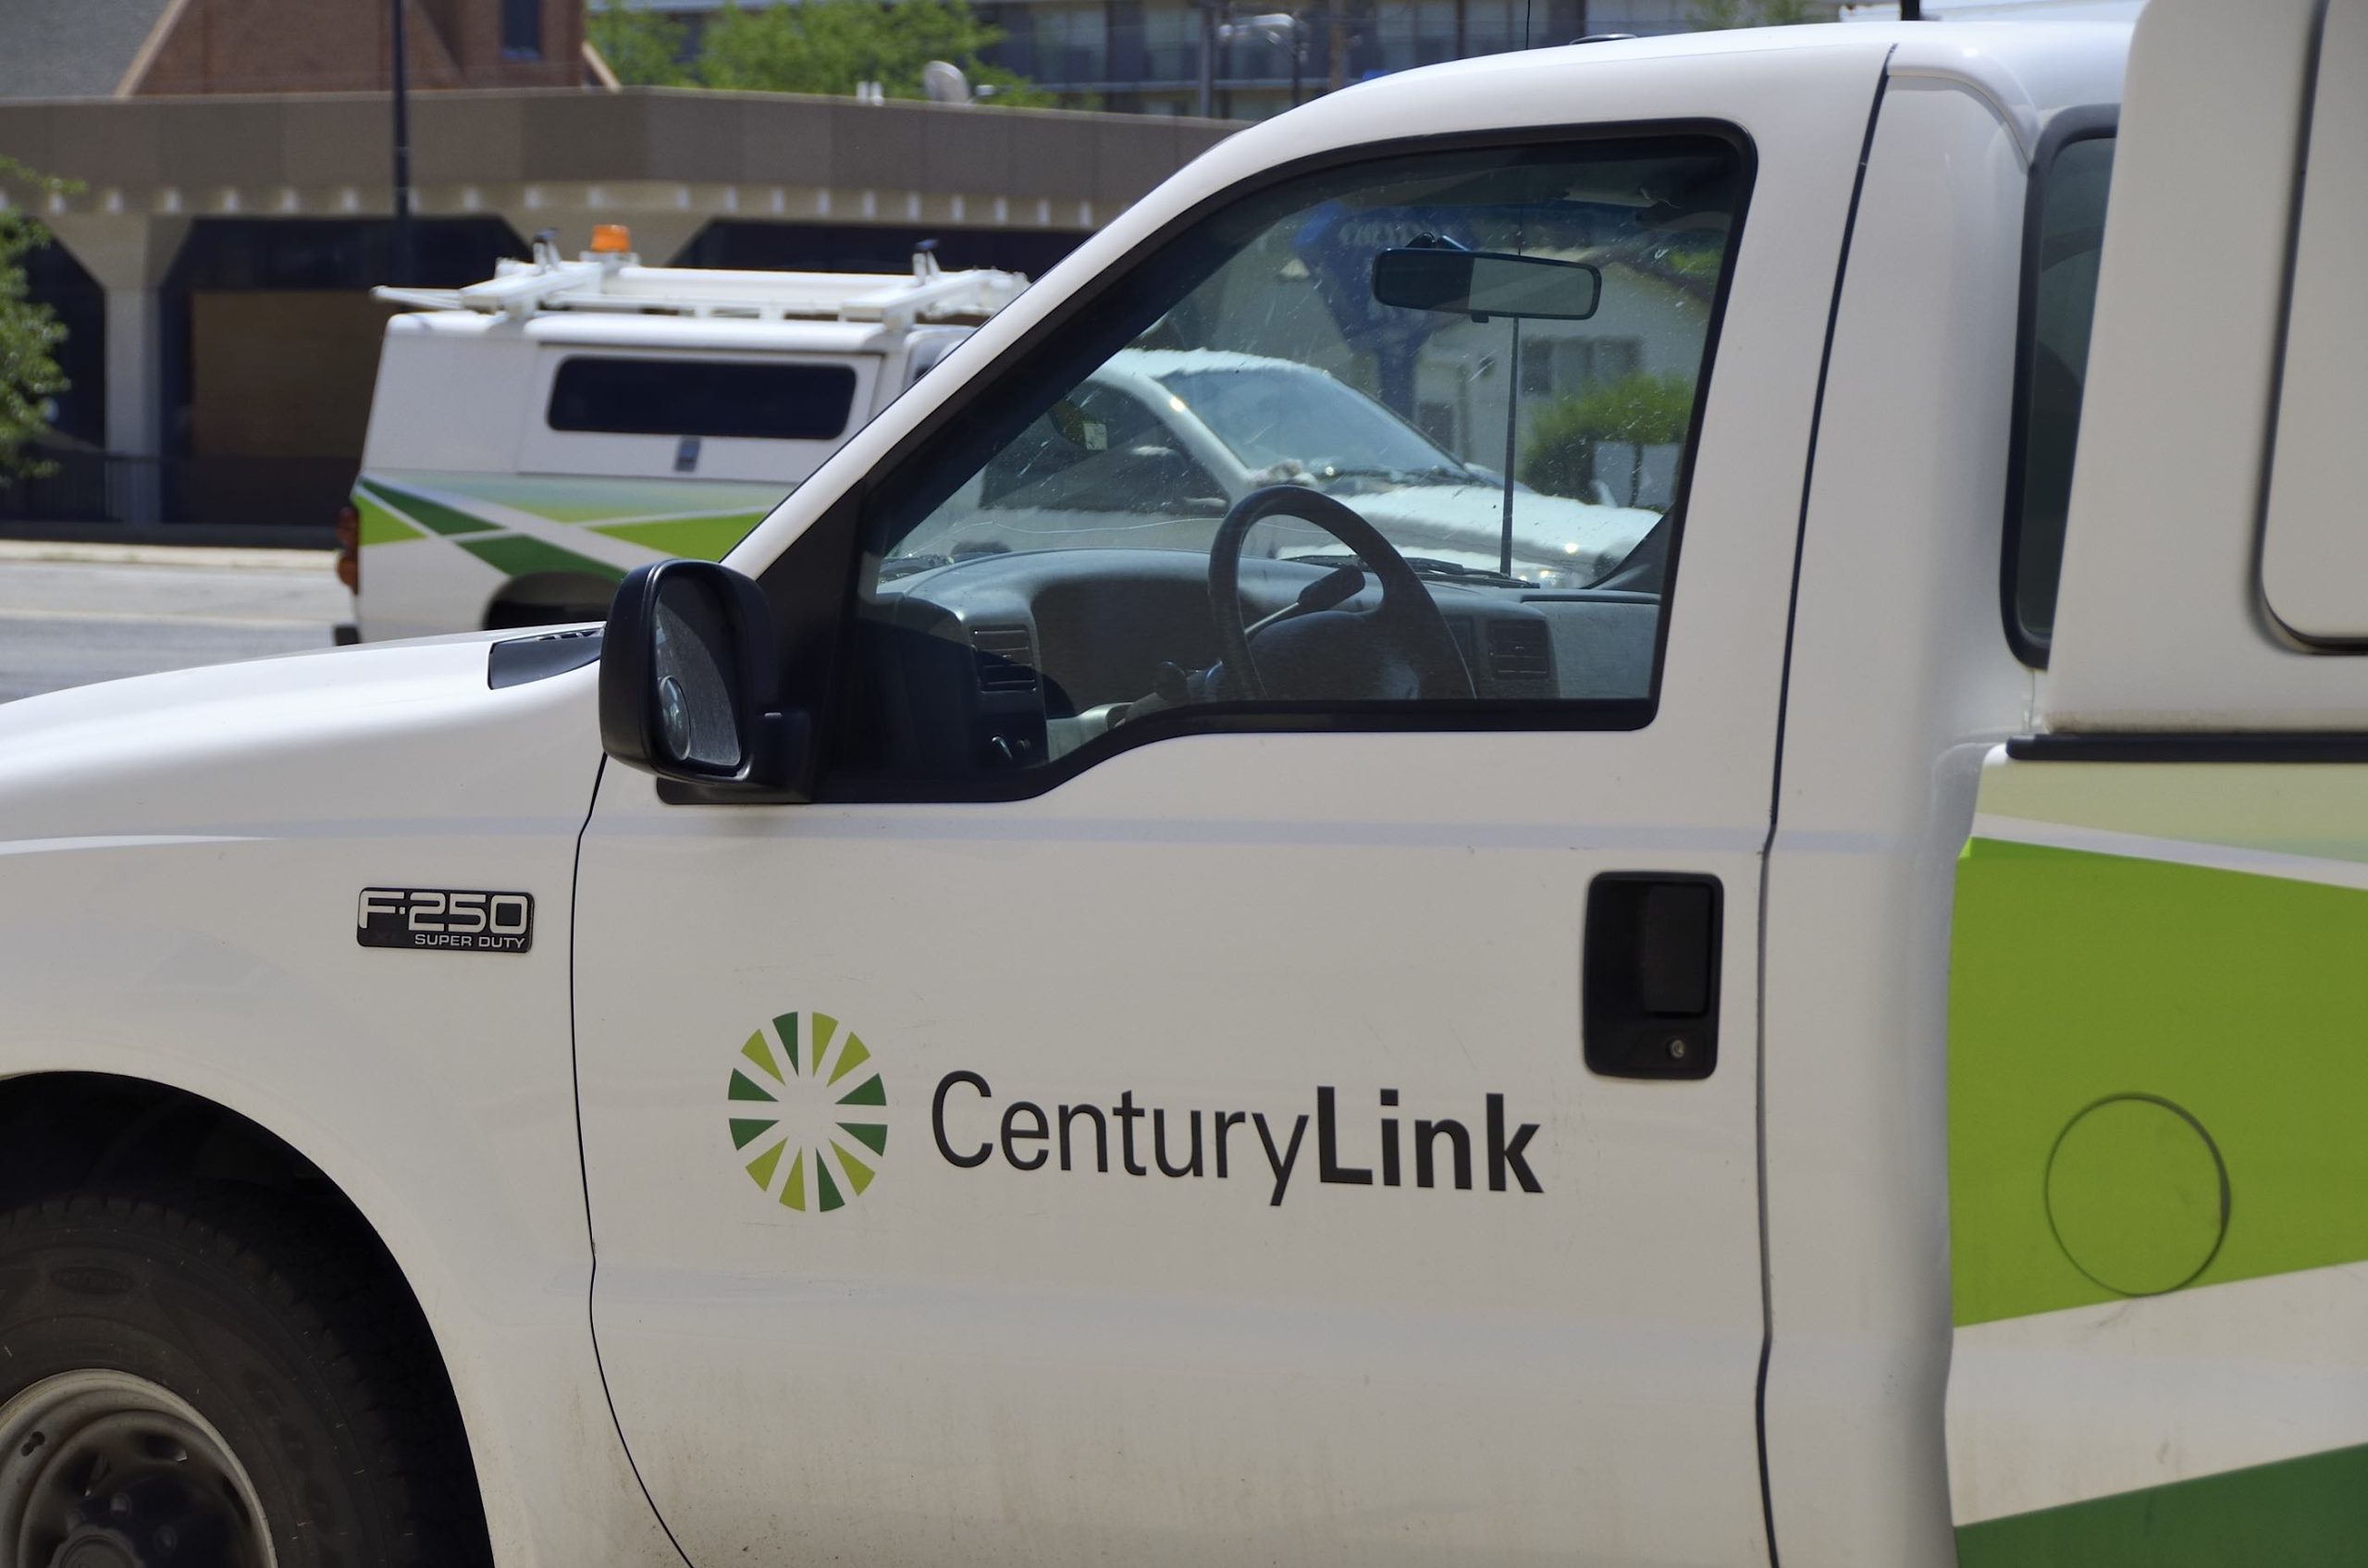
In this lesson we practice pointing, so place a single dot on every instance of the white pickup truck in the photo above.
(1833, 1040)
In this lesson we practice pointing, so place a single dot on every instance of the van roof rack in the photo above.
(612, 281)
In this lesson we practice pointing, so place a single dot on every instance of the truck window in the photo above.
(2064, 237)
(683, 396)
(1047, 573)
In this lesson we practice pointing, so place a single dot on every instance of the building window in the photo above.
(1551, 368)
(522, 30)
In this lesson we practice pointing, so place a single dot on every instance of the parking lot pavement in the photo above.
(70, 614)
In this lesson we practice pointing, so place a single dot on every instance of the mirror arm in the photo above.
(779, 771)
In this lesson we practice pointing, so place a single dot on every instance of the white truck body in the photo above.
(894, 1104)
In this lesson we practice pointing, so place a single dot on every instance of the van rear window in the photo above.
(680, 397)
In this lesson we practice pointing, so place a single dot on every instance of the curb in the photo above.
(234, 536)
(201, 557)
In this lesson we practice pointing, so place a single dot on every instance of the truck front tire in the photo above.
(189, 1376)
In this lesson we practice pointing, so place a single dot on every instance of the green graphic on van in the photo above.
(800, 1107)
(522, 523)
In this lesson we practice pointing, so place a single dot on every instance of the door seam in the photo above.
(584, 1171)
(1775, 803)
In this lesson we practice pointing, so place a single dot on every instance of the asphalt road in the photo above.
(70, 616)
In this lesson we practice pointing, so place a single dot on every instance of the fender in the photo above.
(210, 952)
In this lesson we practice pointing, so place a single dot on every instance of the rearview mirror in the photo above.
(688, 678)
(1484, 283)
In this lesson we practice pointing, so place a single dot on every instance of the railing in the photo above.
(267, 495)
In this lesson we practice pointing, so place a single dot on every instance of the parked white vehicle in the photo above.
(1838, 1041)
(535, 436)
(1173, 438)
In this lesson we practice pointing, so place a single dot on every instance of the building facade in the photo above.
(159, 48)
(214, 268)
(1145, 57)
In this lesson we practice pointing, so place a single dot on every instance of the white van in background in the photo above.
(535, 436)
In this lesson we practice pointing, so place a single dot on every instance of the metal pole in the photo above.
(403, 258)
(1513, 450)
(1208, 58)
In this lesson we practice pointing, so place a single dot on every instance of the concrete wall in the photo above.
(665, 162)
(579, 156)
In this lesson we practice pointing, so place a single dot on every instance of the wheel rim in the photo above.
(101, 1469)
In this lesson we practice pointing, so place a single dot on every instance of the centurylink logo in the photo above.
(801, 1105)
(809, 1120)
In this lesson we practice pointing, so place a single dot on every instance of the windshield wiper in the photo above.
(1428, 567)
(1437, 473)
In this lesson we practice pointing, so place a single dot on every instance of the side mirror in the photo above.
(689, 678)
(1484, 283)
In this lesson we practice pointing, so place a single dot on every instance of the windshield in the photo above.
(1516, 452)
(1272, 417)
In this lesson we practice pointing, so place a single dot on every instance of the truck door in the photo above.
(1264, 1074)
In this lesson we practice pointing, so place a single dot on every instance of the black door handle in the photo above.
(1649, 1004)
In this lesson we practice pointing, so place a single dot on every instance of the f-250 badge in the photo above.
(448, 919)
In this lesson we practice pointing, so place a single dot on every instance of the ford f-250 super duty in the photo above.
(1144, 1021)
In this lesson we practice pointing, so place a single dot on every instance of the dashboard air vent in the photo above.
(1005, 654)
(1520, 650)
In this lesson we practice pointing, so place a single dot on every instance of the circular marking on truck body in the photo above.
(2138, 1195)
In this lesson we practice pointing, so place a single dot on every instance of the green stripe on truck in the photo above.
(427, 513)
(379, 527)
(2308, 1513)
(2155, 1077)
(699, 538)
(519, 556)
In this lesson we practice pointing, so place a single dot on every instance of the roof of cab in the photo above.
(2028, 68)
(1781, 79)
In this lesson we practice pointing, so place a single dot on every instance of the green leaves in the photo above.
(30, 331)
(644, 47)
(1716, 15)
(826, 47)
(1641, 409)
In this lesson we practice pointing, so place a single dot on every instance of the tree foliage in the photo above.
(644, 47)
(1640, 409)
(822, 46)
(30, 331)
(1712, 15)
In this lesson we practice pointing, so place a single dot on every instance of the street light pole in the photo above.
(1208, 9)
(403, 258)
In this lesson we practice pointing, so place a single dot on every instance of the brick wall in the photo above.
(347, 46)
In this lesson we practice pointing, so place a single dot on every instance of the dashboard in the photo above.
(1012, 658)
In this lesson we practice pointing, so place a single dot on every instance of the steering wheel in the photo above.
(1399, 650)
